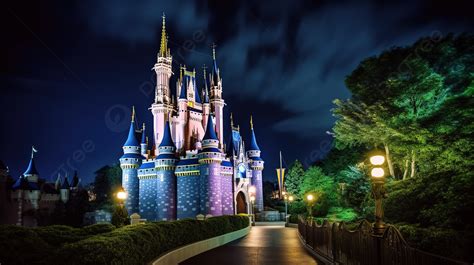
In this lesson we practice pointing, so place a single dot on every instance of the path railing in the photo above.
(335, 243)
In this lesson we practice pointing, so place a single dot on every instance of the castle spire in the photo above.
(133, 113)
(251, 122)
(164, 39)
(253, 139)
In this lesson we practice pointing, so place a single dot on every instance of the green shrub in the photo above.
(103, 244)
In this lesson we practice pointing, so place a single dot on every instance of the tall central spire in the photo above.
(164, 40)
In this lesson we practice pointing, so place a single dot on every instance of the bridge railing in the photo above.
(337, 244)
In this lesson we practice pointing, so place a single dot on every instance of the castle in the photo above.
(190, 171)
(30, 199)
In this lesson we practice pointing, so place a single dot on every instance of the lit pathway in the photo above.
(264, 245)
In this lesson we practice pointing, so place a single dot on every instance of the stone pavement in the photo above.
(263, 245)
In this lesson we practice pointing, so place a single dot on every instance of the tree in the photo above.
(120, 216)
(356, 186)
(323, 189)
(294, 177)
(107, 180)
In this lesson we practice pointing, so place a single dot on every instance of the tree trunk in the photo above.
(405, 172)
(412, 164)
(389, 160)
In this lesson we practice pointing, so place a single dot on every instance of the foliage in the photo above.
(340, 214)
(444, 242)
(294, 177)
(103, 244)
(140, 244)
(107, 181)
(120, 216)
(323, 189)
(355, 184)
(22, 245)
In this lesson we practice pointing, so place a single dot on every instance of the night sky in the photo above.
(71, 70)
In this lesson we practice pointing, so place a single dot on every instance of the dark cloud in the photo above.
(68, 63)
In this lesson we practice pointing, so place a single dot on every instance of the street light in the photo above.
(310, 199)
(378, 190)
(287, 198)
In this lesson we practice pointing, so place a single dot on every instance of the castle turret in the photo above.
(32, 175)
(256, 164)
(206, 107)
(64, 190)
(165, 165)
(217, 101)
(162, 105)
(210, 158)
(129, 162)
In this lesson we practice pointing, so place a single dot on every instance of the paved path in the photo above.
(263, 245)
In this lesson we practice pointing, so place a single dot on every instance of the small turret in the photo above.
(129, 162)
(257, 165)
(75, 180)
(65, 190)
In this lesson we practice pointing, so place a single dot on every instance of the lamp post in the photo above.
(121, 196)
(252, 192)
(310, 200)
(378, 190)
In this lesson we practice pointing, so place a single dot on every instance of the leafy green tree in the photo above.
(323, 189)
(294, 178)
(355, 186)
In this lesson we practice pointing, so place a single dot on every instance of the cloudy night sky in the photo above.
(71, 70)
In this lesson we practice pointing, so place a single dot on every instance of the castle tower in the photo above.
(165, 165)
(210, 158)
(182, 113)
(31, 175)
(64, 190)
(216, 98)
(162, 105)
(256, 164)
(129, 162)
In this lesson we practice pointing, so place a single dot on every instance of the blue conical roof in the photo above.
(253, 142)
(182, 94)
(197, 97)
(20, 183)
(132, 139)
(210, 132)
(167, 141)
(31, 170)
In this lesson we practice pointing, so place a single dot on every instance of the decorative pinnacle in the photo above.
(164, 39)
(33, 151)
(204, 67)
(146, 141)
(214, 51)
(143, 127)
(231, 121)
(251, 122)
(133, 113)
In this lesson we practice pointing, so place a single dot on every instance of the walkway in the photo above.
(263, 245)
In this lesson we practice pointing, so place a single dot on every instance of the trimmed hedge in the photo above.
(39, 245)
(138, 244)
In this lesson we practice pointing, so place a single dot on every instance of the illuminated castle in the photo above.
(190, 171)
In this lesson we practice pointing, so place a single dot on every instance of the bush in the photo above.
(444, 242)
(23, 245)
(103, 244)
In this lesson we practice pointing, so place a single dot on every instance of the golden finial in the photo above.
(231, 121)
(146, 140)
(164, 39)
(143, 127)
(251, 122)
(133, 113)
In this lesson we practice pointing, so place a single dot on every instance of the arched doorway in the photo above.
(241, 203)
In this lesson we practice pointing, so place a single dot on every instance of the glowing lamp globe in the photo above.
(377, 160)
(252, 198)
(122, 195)
(377, 172)
(291, 198)
(252, 189)
(310, 197)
